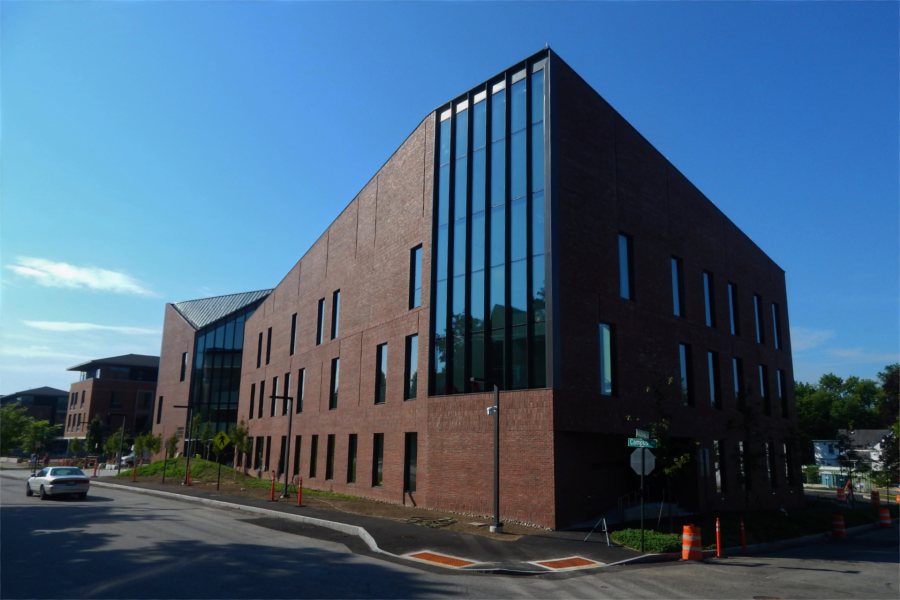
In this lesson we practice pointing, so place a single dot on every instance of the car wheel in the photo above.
(43, 493)
(28, 491)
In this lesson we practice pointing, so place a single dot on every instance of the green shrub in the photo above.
(654, 541)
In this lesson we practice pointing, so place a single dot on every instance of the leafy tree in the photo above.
(76, 446)
(94, 438)
(206, 435)
(13, 425)
(146, 442)
(38, 435)
(240, 438)
(113, 443)
(889, 407)
(172, 445)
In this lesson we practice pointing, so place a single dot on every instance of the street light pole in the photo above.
(497, 526)
(287, 445)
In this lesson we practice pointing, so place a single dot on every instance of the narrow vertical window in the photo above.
(719, 463)
(607, 347)
(709, 306)
(282, 456)
(415, 277)
(297, 446)
(381, 356)
(779, 389)
(268, 462)
(285, 404)
(320, 322)
(770, 465)
(351, 458)
(764, 389)
(737, 381)
(268, 345)
(712, 365)
(787, 452)
(274, 393)
(301, 390)
(252, 398)
(259, 350)
(335, 383)
(776, 327)
(677, 288)
(293, 342)
(734, 323)
(262, 398)
(329, 456)
(410, 461)
(411, 367)
(684, 369)
(626, 267)
(159, 410)
(742, 468)
(335, 314)
(758, 313)
(184, 364)
(313, 455)
(377, 459)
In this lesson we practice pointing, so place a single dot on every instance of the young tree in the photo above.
(13, 425)
(113, 443)
(146, 442)
(206, 435)
(38, 435)
(76, 447)
(94, 439)
(240, 438)
(172, 445)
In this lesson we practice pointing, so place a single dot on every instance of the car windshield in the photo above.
(64, 471)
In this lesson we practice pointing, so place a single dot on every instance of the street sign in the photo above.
(221, 440)
(640, 443)
(640, 433)
(646, 465)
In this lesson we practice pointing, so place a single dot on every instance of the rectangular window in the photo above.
(329, 456)
(607, 347)
(742, 468)
(684, 368)
(734, 323)
(677, 288)
(282, 455)
(381, 356)
(159, 410)
(770, 465)
(779, 389)
(709, 303)
(377, 459)
(285, 404)
(313, 456)
(258, 455)
(626, 267)
(409, 461)
(776, 327)
(184, 364)
(252, 398)
(764, 389)
(267, 464)
(82, 398)
(259, 351)
(719, 465)
(320, 322)
(268, 345)
(758, 312)
(787, 452)
(262, 398)
(293, 341)
(301, 390)
(411, 367)
(297, 440)
(335, 314)
(335, 383)
(351, 458)
(712, 366)
(737, 381)
(274, 393)
(114, 400)
(415, 277)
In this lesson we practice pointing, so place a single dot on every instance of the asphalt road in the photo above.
(119, 544)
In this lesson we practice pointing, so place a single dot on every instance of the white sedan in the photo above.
(58, 481)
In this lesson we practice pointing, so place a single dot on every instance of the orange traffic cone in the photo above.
(691, 548)
(838, 532)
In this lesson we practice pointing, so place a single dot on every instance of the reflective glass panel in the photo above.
(605, 346)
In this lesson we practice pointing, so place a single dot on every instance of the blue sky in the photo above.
(155, 152)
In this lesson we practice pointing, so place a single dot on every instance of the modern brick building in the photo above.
(118, 389)
(43, 403)
(526, 236)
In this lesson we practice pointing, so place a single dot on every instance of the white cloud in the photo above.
(860, 355)
(68, 326)
(50, 273)
(804, 338)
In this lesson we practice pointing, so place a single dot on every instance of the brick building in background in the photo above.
(526, 236)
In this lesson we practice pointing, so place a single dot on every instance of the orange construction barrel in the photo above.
(691, 547)
(838, 532)
(841, 497)
(884, 517)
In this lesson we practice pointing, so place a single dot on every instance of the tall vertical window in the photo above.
(377, 459)
(293, 342)
(268, 463)
(758, 313)
(335, 314)
(351, 458)
(626, 267)
(301, 390)
(709, 302)
(297, 446)
(719, 466)
(734, 324)
(313, 456)
(764, 389)
(262, 398)
(329, 456)
(285, 404)
(779, 389)
(335, 383)
(776, 327)
(184, 365)
(159, 407)
(677, 287)
(320, 322)
(381, 356)
(737, 382)
(415, 277)
(770, 465)
(259, 350)
(282, 455)
(411, 367)
(607, 347)
(252, 398)
(787, 451)
(268, 345)
(274, 393)
(410, 452)
(684, 369)
(712, 366)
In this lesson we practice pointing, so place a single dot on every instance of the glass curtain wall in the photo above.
(489, 273)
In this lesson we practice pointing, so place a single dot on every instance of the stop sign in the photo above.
(649, 461)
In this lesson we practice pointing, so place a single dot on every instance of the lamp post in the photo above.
(497, 526)
(287, 446)
(188, 439)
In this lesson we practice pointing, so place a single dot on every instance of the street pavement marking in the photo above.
(568, 564)
(443, 560)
